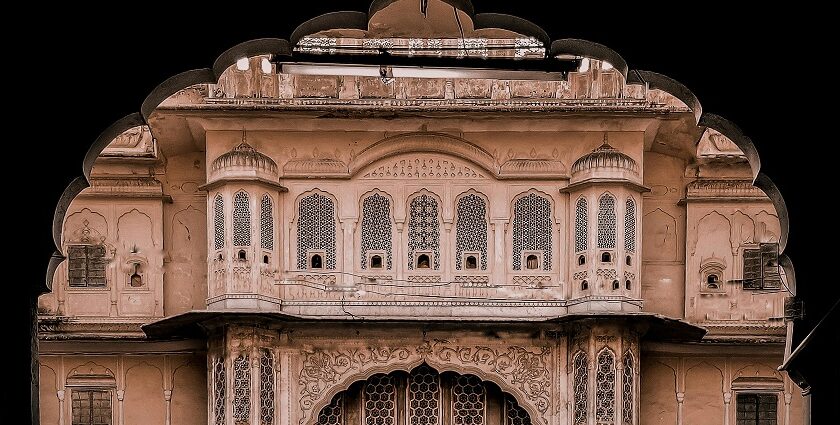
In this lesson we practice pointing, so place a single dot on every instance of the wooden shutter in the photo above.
(770, 266)
(752, 269)
(96, 265)
(77, 265)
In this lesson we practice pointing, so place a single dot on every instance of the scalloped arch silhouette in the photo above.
(282, 47)
(407, 366)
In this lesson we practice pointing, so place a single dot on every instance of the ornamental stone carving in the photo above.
(522, 371)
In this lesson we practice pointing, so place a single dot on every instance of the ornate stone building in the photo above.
(292, 242)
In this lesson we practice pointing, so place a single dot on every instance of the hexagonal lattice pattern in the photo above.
(219, 382)
(580, 388)
(424, 229)
(531, 228)
(627, 390)
(316, 229)
(606, 222)
(514, 413)
(605, 387)
(424, 396)
(241, 219)
(471, 229)
(218, 222)
(380, 400)
(468, 400)
(333, 413)
(630, 226)
(266, 223)
(376, 228)
(581, 225)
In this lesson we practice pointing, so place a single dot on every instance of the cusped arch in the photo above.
(424, 142)
(326, 396)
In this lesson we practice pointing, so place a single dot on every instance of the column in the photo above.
(167, 395)
(400, 252)
(60, 395)
(446, 252)
(499, 268)
(680, 399)
(255, 385)
(788, 397)
(120, 398)
(727, 399)
(348, 226)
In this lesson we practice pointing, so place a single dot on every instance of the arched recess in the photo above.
(423, 142)
(471, 204)
(528, 239)
(313, 405)
(376, 233)
(331, 246)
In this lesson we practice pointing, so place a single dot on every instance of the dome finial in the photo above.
(605, 146)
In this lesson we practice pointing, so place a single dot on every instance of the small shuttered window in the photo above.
(761, 267)
(86, 265)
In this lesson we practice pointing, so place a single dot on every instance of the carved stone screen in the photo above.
(580, 388)
(219, 384)
(380, 400)
(316, 229)
(532, 228)
(241, 390)
(241, 220)
(376, 228)
(630, 226)
(627, 383)
(424, 397)
(606, 222)
(605, 388)
(218, 222)
(468, 400)
(266, 223)
(266, 388)
(471, 229)
(581, 225)
(424, 229)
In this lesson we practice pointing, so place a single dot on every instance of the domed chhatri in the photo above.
(605, 162)
(243, 160)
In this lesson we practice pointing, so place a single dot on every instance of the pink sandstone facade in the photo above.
(281, 249)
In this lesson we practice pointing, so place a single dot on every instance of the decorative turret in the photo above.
(242, 195)
(604, 195)
(605, 162)
(243, 161)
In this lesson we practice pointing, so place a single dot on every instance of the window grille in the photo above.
(333, 414)
(241, 220)
(581, 225)
(630, 226)
(86, 265)
(755, 409)
(316, 229)
(91, 407)
(515, 414)
(241, 389)
(376, 229)
(627, 393)
(266, 388)
(606, 222)
(380, 400)
(424, 396)
(531, 229)
(605, 388)
(471, 229)
(219, 382)
(219, 222)
(761, 267)
(580, 388)
(266, 223)
(468, 400)
(424, 229)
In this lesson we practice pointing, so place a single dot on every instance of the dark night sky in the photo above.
(765, 70)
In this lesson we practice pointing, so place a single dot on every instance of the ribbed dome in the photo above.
(605, 157)
(244, 155)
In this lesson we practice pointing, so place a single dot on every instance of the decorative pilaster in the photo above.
(727, 399)
(120, 406)
(60, 395)
(167, 396)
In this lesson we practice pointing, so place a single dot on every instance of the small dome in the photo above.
(245, 156)
(605, 157)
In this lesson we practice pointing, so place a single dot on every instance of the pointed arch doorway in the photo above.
(423, 396)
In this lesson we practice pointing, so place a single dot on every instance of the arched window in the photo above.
(605, 387)
(582, 260)
(423, 396)
(606, 221)
(606, 257)
(316, 229)
(627, 284)
(532, 228)
(532, 262)
(581, 225)
(471, 229)
(316, 262)
(241, 220)
(615, 284)
(471, 262)
(376, 233)
(266, 223)
(627, 384)
(580, 388)
(241, 389)
(218, 222)
(424, 230)
(266, 387)
(584, 285)
(423, 261)
(630, 226)
(376, 262)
